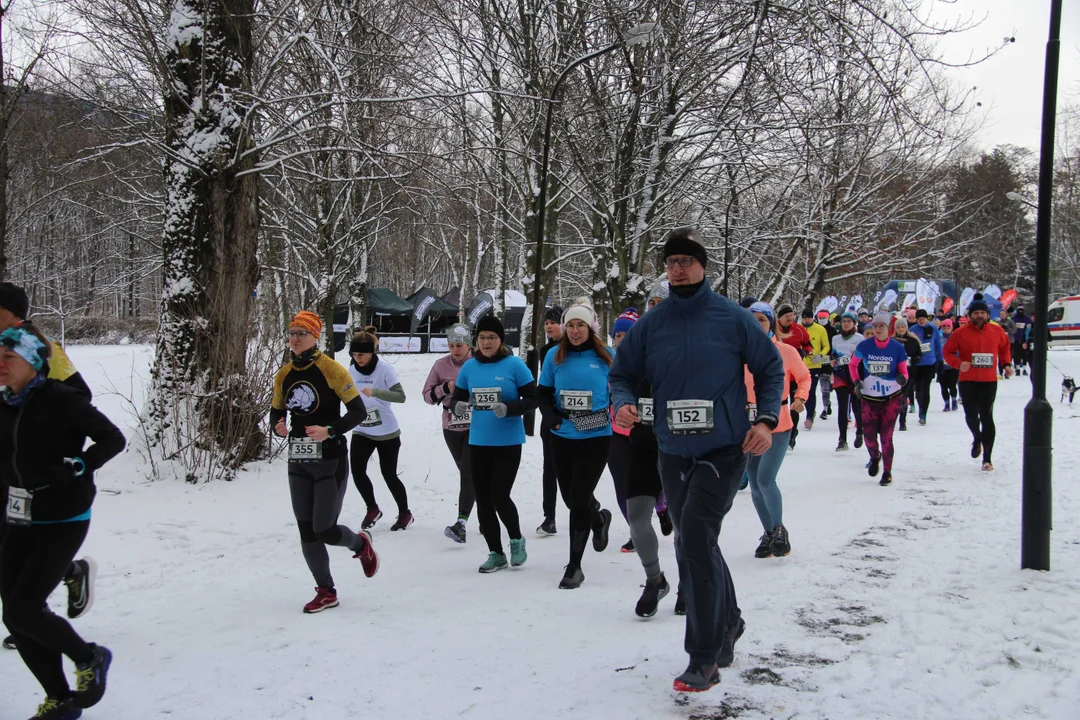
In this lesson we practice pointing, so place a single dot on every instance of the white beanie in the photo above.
(884, 318)
(582, 310)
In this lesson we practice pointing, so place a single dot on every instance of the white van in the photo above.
(1063, 318)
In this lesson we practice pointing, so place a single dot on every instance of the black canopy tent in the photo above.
(388, 312)
(440, 314)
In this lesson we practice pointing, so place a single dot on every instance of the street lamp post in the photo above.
(637, 35)
(1039, 414)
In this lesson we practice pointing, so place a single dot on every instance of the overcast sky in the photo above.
(1010, 85)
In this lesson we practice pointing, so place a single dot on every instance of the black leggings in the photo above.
(924, 377)
(494, 472)
(948, 381)
(845, 397)
(978, 398)
(360, 451)
(457, 441)
(33, 561)
(580, 464)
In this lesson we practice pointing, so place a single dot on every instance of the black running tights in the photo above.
(360, 451)
(33, 561)
(494, 472)
(844, 398)
(978, 399)
(580, 465)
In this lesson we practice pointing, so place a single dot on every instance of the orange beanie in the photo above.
(309, 321)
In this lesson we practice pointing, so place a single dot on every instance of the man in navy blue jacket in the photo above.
(691, 348)
(930, 363)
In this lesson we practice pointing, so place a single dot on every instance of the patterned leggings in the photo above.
(879, 421)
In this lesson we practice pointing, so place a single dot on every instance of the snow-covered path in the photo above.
(901, 602)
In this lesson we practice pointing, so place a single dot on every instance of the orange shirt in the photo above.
(795, 371)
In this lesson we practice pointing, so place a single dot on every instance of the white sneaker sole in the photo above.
(91, 578)
(324, 607)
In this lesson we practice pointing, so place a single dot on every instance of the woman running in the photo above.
(913, 348)
(497, 387)
(847, 402)
(619, 453)
(763, 469)
(310, 389)
(880, 371)
(379, 432)
(644, 492)
(49, 477)
(949, 377)
(438, 389)
(573, 395)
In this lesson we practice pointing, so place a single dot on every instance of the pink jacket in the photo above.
(443, 372)
(795, 371)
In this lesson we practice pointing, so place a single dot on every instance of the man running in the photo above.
(819, 343)
(703, 433)
(795, 335)
(554, 331)
(1019, 348)
(976, 350)
(927, 367)
(825, 321)
(79, 580)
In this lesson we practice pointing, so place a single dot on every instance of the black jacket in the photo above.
(54, 424)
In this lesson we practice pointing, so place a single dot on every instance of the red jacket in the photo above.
(797, 338)
(984, 348)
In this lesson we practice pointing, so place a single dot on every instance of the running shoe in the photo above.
(654, 592)
(841, 446)
(90, 678)
(824, 415)
(947, 408)
(987, 467)
(372, 517)
(858, 440)
(903, 424)
(697, 679)
(572, 578)
(764, 548)
(875, 465)
(9, 643)
(517, 552)
(57, 710)
(629, 546)
(403, 521)
(809, 424)
(80, 587)
(886, 479)
(455, 532)
(781, 543)
(324, 600)
(547, 527)
(955, 405)
(666, 528)
(495, 562)
(976, 449)
(600, 534)
(369, 559)
(680, 602)
(727, 649)
(922, 419)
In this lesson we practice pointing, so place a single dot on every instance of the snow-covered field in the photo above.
(901, 602)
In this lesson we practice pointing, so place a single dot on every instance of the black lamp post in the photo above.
(1039, 415)
(637, 35)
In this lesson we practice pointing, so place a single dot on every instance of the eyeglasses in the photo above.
(487, 338)
(298, 334)
(683, 262)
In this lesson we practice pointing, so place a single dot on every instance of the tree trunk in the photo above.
(210, 237)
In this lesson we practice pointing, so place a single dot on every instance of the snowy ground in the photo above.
(901, 602)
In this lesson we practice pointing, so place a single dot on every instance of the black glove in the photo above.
(901, 380)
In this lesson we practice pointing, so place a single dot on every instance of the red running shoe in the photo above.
(369, 559)
(371, 518)
(324, 600)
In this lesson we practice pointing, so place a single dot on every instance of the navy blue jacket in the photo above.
(931, 336)
(695, 349)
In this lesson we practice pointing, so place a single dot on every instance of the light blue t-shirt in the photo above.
(494, 382)
(581, 387)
